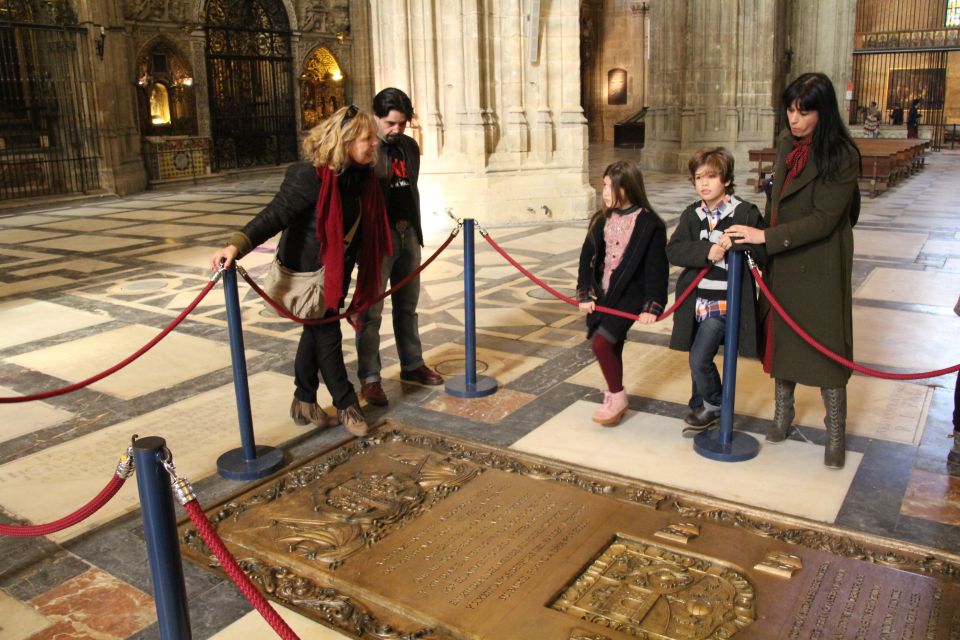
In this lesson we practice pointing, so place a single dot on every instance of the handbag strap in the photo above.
(347, 239)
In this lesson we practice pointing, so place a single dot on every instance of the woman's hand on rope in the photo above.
(647, 318)
(742, 234)
(588, 307)
(222, 258)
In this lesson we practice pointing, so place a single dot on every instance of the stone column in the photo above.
(821, 34)
(491, 119)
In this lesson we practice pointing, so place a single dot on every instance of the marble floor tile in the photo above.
(247, 199)
(442, 270)
(942, 247)
(910, 287)
(197, 430)
(496, 273)
(88, 243)
(177, 358)
(27, 320)
(86, 225)
(932, 496)
(82, 211)
(83, 266)
(449, 360)
(556, 240)
(252, 625)
(491, 317)
(161, 231)
(150, 215)
(134, 203)
(201, 206)
(893, 244)
(19, 621)
(923, 341)
(505, 402)
(96, 605)
(876, 408)
(441, 290)
(486, 257)
(231, 221)
(21, 418)
(789, 478)
(20, 236)
(26, 220)
(32, 285)
(555, 337)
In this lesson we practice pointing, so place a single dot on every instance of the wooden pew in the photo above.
(883, 162)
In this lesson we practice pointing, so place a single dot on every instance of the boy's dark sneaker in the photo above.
(699, 420)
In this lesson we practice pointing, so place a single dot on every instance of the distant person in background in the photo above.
(913, 119)
(871, 122)
(896, 115)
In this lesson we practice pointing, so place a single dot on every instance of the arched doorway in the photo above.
(321, 87)
(48, 132)
(249, 73)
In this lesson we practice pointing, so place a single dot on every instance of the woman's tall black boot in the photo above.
(835, 403)
(784, 413)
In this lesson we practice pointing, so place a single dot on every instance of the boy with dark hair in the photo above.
(699, 241)
(398, 168)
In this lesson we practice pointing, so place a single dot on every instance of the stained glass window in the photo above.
(953, 13)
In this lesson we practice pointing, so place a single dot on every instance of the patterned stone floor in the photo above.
(83, 286)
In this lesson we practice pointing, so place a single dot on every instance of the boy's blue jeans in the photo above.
(707, 389)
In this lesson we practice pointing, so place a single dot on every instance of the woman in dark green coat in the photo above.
(809, 242)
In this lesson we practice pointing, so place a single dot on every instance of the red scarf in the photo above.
(374, 238)
(797, 160)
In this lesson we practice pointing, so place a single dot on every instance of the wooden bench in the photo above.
(883, 162)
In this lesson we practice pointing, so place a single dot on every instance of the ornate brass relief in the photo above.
(833, 543)
(680, 532)
(652, 592)
(325, 603)
(780, 564)
(580, 634)
(350, 514)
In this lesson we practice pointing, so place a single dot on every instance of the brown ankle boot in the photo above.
(303, 413)
(353, 421)
(835, 403)
(784, 412)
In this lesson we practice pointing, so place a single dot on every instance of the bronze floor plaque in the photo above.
(406, 534)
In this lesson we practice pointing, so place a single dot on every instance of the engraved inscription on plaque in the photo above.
(653, 592)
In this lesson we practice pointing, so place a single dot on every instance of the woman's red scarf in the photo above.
(374, 238)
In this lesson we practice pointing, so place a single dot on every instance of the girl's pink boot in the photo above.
(613, 408)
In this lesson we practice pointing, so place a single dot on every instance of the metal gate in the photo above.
(900, 56)
(48, 134)
(249, 70)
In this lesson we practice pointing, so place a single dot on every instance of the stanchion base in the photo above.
(742, 446)
(457, 386)
(233, 466)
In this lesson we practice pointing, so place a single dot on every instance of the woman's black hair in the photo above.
(815, 92)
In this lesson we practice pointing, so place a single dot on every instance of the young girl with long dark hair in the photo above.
(623, 265)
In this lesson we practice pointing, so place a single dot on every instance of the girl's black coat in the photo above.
(637, 285)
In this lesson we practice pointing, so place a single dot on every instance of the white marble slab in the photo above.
(89, 243)
(922, 342)
(17, 419)
(906, 286)
(20, 236)
(789, 478)
(27, 320)
(32, 285)
(51, 483)
(892, 244)
(19, 621)
(177, 358)
(252, 625)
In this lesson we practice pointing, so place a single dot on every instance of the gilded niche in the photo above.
(656, 593)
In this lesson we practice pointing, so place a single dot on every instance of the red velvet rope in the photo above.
(836, 358)
(81, 514)
(236, 574)
(289, 316)
(615, 312)
(120, 365)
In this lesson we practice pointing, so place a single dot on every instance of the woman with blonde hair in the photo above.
(330, 212)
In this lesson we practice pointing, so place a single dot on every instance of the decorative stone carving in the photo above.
(326, 16)
(145, 10)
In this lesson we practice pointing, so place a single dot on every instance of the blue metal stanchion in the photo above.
(250, 461)
(724, 444)
(160, 531)
(469, 385)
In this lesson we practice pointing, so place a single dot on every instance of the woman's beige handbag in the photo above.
(299, 292)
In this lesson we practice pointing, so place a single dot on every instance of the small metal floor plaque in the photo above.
(407, 534)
